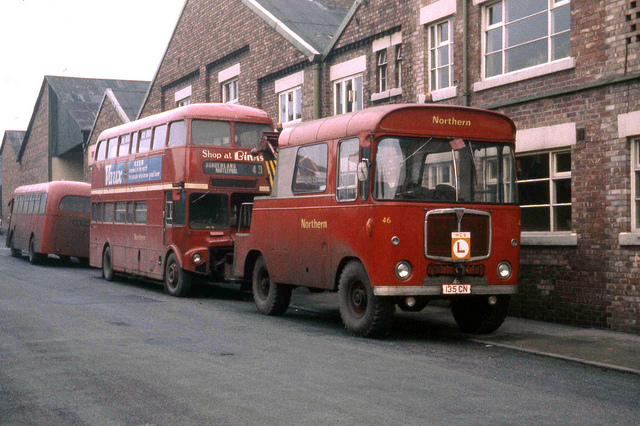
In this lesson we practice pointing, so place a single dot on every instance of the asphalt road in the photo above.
(75, 349)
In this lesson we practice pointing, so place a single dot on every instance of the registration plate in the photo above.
(456, 289)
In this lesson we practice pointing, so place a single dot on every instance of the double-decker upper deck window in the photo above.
(348, 157)
(144, 144)
(101, 152)
(311, 169)
(248, 135)
(230, 91)
(177, 133)
(125, 142)
(524, 33)
(210, 133)
(159, 136)
(544, 185)
(440, 55)
(113, 147)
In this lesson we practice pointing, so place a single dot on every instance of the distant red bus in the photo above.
(50, 218)
(167, 190)
(392, 205)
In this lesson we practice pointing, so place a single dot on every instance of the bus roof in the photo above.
(406, 120)
(208, 111)
(77, 188)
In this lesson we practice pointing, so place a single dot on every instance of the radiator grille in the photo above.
(439, 224)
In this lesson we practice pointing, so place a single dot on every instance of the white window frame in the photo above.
(382, 70)
(230, 91)
(561, 63)
(292, 99)
(398, 70)
(183, 96)
(434, 45)
(348, 98)
(635, 182)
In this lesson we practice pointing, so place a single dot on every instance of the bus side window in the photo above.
(145, 140)
(113, 147)
(108, 212)
(140, 212)
(129, 218)
(311, 169)
(159, 137)
(177, 133)
(101, 152)
(120, 211)
(43, 203)
(348, 158)
(123, 148)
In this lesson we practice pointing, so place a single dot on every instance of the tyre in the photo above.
(476, 315)
(34, 256)
(363, 314)
(177, 281)
(107, 265)
(270, 298)
(14, 251)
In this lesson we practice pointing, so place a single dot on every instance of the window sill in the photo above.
(386, 94)
(629, 238)
(516, 76)
(446, 93)
(548, 239)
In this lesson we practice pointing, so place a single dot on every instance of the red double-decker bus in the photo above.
(50, 218)
(167, 191)
(392, 205)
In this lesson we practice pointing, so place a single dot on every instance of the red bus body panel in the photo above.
(63, 233)
(307, 238)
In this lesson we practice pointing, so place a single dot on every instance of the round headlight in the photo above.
(403, 270)
(504, 270)
(197, 258)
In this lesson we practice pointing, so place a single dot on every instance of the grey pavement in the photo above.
(601, 348)
(597, 347)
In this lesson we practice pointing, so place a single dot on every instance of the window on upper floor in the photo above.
(381, 70)
(183, 102)
(230, 91)
(290, 103)
(440, 55)
(544, 189)
(635, 184)
(520, 34)
(347, 94)
(398, 69)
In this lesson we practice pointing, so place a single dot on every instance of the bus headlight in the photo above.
(403, 270)
(504, 270)
(197, 258)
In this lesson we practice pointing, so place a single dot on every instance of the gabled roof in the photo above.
(82, 96)
(78, 101)
(309, 25)
(13, 138)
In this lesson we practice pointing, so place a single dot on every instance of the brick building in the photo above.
(63, 115)
(118, 107)
(11, 143)
(566, 71)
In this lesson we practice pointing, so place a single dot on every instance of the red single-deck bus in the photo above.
(167, 189)
(392, 205)
(50, 218)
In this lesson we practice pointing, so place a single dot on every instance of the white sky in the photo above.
(114, 39)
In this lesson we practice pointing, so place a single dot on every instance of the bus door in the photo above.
(138, 250)
(175, 213)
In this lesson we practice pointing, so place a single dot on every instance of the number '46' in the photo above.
(386, 219)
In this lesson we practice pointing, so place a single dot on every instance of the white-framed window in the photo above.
(520, 34)
(347, 94)
(183, 102)
(290, 105)
(398, 69)
(230, 91)
(544, 189)
(440, 55)
(381, 70)
(183, 96)
(635, 185)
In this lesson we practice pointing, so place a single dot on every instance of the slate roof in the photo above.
(81, 97)
(312, 20)
(14, 138)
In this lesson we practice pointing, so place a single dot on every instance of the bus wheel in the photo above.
(34, 256)
(177, 281)
(477, 315)
(270, 298)
(14, 251)
(107, 265)
(363, 314)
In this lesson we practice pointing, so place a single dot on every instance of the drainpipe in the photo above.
(465, 53)
(317, 89)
